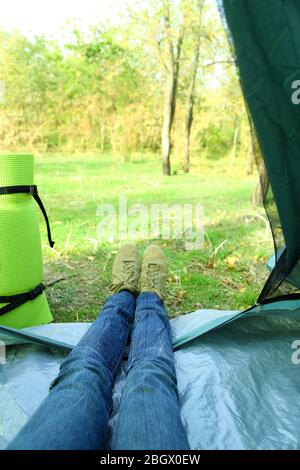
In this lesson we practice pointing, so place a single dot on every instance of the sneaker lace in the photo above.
(153, 275)
(129, 271)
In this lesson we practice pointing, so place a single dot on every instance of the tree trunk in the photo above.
(250, 159)
(261, 188)
(187, 133)
(189, 107)
(235, 140)
(102, 137)
(173, 52)
(169, 110)
(189, 110)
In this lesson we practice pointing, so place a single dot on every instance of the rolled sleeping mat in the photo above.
(23, 302)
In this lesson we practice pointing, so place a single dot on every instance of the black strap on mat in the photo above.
(15, 301)
(34, 192)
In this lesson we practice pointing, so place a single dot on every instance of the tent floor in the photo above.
(238, 384)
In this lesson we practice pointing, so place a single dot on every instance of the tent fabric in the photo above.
(293, 278)
(185, 328)
(238, 385)
(266, 40)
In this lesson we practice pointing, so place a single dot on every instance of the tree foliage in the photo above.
(109, 88)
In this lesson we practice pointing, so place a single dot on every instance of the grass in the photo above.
(226, 274)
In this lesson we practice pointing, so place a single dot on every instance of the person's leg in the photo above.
(149, 415)
(75, 414)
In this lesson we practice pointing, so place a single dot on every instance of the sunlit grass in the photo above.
(226, 274)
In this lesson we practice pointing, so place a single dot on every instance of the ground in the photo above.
(227, 273)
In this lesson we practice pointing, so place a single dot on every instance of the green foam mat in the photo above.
(21, 267)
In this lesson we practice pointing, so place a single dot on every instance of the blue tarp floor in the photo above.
(238, 379)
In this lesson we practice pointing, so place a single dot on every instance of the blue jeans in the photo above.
(76, 412)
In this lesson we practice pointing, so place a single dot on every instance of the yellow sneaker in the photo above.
(126, 270)
(154, 271)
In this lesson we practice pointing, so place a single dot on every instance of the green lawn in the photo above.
(226, 274)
